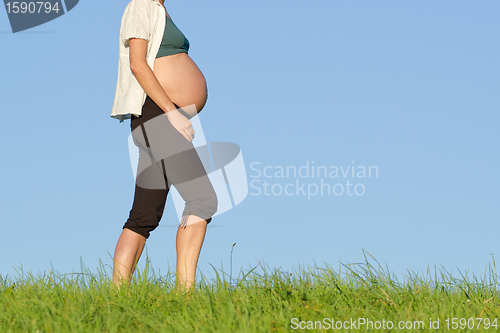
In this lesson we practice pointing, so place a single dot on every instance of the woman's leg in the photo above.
(149, 201)
(183, 169)
(145, 216)
(127, 253)
(186, 172)
(189, 241)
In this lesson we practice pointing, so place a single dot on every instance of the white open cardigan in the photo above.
(142, 19)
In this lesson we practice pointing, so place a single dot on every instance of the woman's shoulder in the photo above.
(139, 8)
(139, 19)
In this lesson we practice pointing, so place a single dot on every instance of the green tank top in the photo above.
(173, 41)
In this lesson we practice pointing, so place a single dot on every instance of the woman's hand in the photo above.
(181, 124)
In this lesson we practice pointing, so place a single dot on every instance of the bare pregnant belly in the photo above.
(182, 80)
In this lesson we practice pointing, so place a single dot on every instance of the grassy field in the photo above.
(353, 298)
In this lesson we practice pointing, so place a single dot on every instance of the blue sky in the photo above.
(410, 87)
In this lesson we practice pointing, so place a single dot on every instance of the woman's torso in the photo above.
(182, 80)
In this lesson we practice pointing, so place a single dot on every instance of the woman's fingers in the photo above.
(181, 124)
(189, 131)
(187, 134)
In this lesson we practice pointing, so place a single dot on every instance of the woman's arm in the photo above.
(149, 82)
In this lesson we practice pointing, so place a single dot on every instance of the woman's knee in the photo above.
(212, 202)
(204, 204)
(147, 210)
(143, 229)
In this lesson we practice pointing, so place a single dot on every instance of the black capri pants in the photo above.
(166, 158)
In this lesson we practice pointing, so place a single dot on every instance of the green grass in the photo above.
(253, 302)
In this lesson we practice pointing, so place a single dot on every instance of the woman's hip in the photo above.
(150, 110)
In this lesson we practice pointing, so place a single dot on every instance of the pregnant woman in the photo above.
(160, 88)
